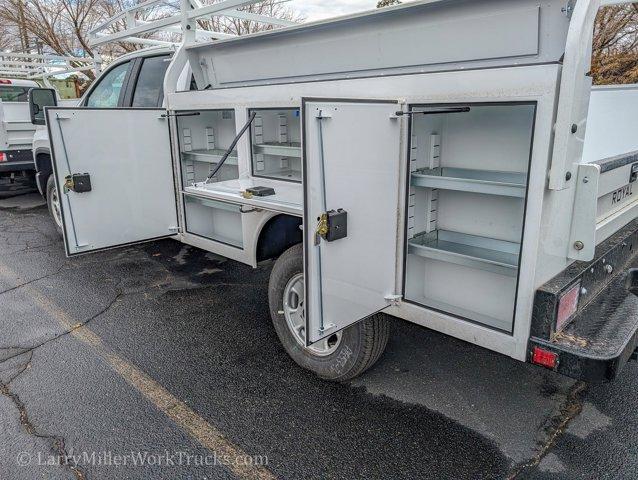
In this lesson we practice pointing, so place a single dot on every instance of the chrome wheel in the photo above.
(296, 320)
(56, 211)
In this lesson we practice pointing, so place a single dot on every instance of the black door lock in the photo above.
(333, 225)
(77, 182)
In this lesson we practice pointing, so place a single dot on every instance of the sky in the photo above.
(318, 9)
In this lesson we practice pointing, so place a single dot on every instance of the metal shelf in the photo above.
(210, 156)
(506, 184)
(292, 149)
(482, 253)
(287, 174)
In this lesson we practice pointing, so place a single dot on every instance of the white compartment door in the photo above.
(127, 156)
(351, 162)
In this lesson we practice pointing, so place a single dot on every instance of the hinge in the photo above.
(568, 9)
(320, 114)
(393, 300)
(326, 328)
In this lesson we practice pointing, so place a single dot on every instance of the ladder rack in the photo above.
(183, 22)
(30, 66)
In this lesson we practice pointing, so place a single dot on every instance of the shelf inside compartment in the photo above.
(210, 156)
(507, 184)
(482, 253)
(291, 149)
(215, 220)
(287, 174)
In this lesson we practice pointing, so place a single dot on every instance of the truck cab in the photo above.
(134, 80)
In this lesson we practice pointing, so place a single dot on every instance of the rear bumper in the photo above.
(603, 334)
(17, 161)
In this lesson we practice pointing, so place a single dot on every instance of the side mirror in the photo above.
(38, 99)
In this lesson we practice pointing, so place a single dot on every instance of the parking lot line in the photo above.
(240, 463)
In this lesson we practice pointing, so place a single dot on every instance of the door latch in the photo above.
(77, 182)
(332, 225)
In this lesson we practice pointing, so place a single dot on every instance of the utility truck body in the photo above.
(432, 162)
(16, 130)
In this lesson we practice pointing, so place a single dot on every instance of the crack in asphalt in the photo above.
(57, 443)
(75, 327)
(570, 409)
(49, 275)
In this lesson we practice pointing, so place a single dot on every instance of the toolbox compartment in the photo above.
(276, 144)
(203, 139)
(214, 220)
(466, 205)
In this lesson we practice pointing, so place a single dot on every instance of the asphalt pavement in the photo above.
(159, 361)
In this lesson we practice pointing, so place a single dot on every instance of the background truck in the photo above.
(16, 130)
(24, 71)
(463, 187)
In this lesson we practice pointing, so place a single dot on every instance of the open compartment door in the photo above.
(114, 176)
(351, 175)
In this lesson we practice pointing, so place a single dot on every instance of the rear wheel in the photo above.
(53, 202)
(339, 357)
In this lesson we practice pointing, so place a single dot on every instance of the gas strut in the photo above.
(232, 146)
(434, 112)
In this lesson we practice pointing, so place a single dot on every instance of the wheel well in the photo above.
(43, 163)
(43, 170)
(278, 235)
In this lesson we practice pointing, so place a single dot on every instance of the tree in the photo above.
(615, 45)
(234, 26)
(387, 3)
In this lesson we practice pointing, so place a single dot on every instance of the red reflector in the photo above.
(544, 358)
(567, 306)
(3, 157)
(4, 81)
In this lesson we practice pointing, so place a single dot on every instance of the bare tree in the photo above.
(59, 25)
(234, 26)
(615, 45)
(387, 3)
(8, 38)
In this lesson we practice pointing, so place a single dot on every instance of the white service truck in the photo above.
(431, 161)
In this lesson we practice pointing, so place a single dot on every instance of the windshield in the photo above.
(10, 93)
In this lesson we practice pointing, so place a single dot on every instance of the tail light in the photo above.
(5, 81)
(567, 305)
(3, 157)
(544, 358)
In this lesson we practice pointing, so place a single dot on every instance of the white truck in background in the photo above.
(16, 129)
(19, 73)
(477, 187)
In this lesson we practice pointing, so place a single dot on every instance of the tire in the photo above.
(352, 351)
(54, 210)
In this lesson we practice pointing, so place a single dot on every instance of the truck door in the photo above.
(351, 202)
(114, 172)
